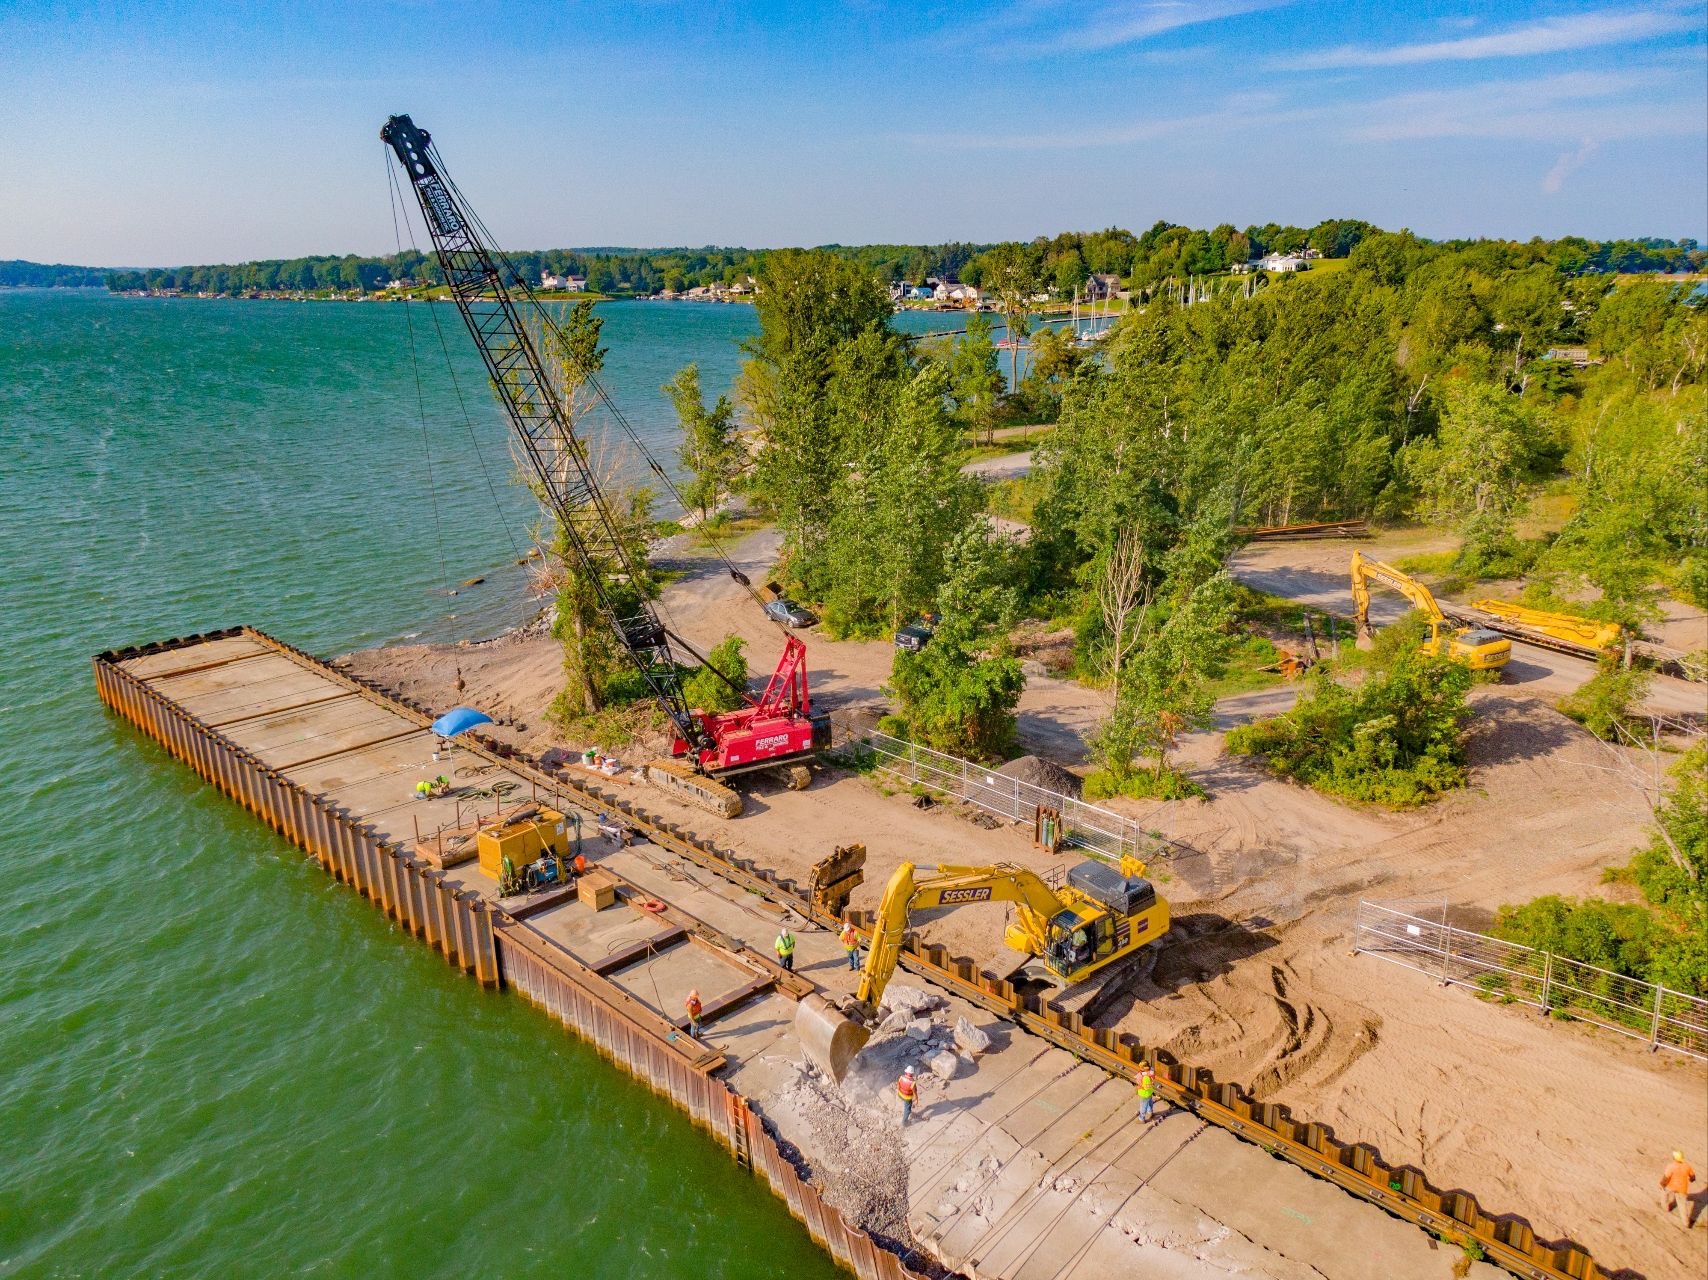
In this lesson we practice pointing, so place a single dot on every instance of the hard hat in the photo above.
(909, 1071)
(1676, 1155)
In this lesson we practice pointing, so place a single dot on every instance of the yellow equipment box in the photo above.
(597, 890)
(523, 838)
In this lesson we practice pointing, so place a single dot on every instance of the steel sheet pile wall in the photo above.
(479, 937)
(722, 1111)
(405, 888)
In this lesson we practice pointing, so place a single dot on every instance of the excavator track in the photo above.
(683, 780)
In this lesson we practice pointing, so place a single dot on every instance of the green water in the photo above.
(213, 1060)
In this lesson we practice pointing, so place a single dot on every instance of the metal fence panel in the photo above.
(1510, 971)
(1098, 831)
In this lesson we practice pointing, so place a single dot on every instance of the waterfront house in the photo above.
(1102, 287)
(1282, 262)
(549, 281)
(574, 284)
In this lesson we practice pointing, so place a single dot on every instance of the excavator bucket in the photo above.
(830, 1038)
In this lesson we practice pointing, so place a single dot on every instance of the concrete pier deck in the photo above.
(1030, 1164)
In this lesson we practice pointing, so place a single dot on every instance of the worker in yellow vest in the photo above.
(423, 789)
(851, 944)
(785, 945)
(1147, 1093)
(695, 1008)
(908, 1091)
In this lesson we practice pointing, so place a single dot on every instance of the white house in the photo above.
(1282, 262)
(549, 281)
(574, 284)
(964, 294)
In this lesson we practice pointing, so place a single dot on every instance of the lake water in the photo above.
(214, 1060)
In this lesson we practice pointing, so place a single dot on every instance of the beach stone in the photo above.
(970, 1038)
(943, 1064)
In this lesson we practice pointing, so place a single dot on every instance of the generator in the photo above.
(522, 837)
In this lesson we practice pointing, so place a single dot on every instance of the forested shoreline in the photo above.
(1058, 265)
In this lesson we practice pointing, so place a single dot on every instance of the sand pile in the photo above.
(1040, 772)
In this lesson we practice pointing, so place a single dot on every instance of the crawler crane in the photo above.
(779, 729)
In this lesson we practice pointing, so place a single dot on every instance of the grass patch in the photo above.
(723, 529)
(1015, 498)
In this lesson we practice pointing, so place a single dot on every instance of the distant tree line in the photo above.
(614, 271)
(15, 273)
(1059, 265)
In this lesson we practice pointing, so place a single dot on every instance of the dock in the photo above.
(1027, 1161)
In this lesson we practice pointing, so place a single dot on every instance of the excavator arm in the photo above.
(832, 1037)
(948, 886)
(1364, 570)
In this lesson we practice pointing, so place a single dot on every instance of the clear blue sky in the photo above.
(196, 131)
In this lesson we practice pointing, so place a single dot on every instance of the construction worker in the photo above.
(908, 1091)
(441, 785)
(694, 1009)
(785, 945)
(1147, 1092)
(423, 790)
(1675, 1186)
(851, 944)
(580, 864)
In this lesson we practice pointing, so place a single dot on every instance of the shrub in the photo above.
(1395, 739)
(1603, 703)
(1141, 784)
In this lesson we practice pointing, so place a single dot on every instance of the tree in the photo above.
(975, 377)
(814, 311)
(710, 452)
(590, 653)
(718, 685)
(1165, 688)
(1472, 474)
(955, 694)
(1012, 275)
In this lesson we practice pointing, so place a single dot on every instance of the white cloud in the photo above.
(1604, 106)
(1550, 35)
(1594, 107)
(1568, 163)
(1045, 27)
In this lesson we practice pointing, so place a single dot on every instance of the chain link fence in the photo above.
(1098, 831)
(1417, 935)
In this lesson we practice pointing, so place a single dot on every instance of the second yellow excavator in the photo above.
(1477, 647)
(1099, 916)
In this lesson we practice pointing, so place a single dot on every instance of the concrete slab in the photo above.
(664, 980)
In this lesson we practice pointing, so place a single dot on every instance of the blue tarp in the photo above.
(458, 720)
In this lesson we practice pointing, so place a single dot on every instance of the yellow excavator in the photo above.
(1477, 647)
(1101, 915)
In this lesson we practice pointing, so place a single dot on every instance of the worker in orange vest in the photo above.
(851, 944)
(1675, 1185)
(908, 1091)
(694, 1010)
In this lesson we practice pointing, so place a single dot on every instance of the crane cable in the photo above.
(420, 395)
(592, 380)
(456, 384)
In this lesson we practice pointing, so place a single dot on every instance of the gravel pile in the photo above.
(1040, 772)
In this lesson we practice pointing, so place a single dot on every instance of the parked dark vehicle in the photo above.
(915, 636)
(789, 614)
